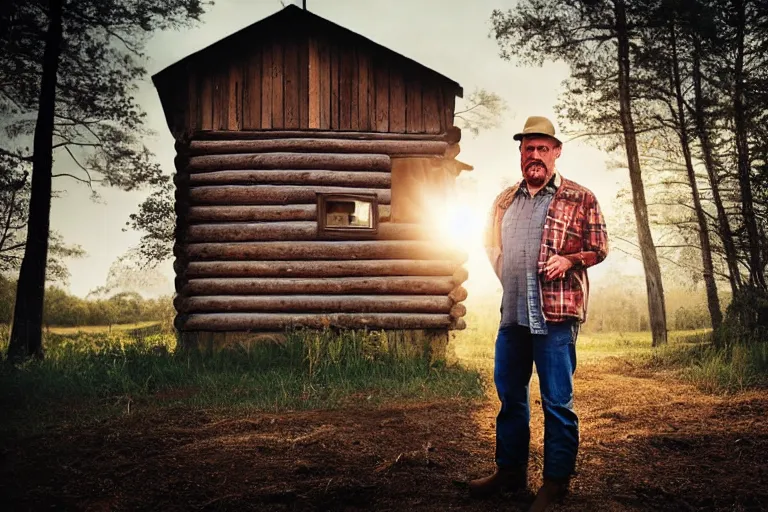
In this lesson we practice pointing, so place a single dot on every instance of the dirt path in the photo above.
(647, 444)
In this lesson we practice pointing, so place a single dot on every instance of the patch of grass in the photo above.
(100, 328)
(99, 373)
(733, 368)
(475, 345)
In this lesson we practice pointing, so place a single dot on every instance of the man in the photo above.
(543, 234)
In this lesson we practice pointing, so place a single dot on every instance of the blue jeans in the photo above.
(555, 357)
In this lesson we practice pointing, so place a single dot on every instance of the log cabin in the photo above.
(307, 158)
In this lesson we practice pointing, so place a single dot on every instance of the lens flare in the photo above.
(458, 221)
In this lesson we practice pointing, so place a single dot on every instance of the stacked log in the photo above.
(272, 195)
(322, 250)
(319, 145)
(280, 321)
(327, 178)
(290, 161)
(327, 268)
(415, 285)
(267, 213)
(437, 304)
(291, 231)
(248, 252)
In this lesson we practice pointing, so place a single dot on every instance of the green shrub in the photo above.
(746, 319)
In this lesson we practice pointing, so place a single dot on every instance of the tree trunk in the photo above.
(742, 150)
(713, 301)
(655, 289)
(724, 227)
(26, 335)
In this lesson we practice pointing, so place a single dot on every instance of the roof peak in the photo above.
(305, 16)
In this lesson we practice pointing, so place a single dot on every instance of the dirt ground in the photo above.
(647, 443)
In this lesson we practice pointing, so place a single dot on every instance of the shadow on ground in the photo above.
(647, 444)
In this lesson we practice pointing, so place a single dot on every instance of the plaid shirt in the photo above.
(575, 229)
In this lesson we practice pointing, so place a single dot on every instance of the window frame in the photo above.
(345, 232)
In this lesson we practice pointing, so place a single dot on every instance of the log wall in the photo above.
(249, 255)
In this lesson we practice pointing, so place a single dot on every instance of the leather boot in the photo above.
(504, 479)
(553, 491)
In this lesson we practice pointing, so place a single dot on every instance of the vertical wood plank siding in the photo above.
(312, 83)
(252, 92)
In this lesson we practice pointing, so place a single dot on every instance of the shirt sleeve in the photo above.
(594, 236)
(492, 250)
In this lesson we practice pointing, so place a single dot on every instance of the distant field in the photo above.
(100, 328)
(475, 345)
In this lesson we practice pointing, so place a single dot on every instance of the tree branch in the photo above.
(6, 229)
(605, 134)
(64, 174)
(18, 156)
(73, 143)
(661, 256)
(90, 180)
(476, 105)
(11, 248)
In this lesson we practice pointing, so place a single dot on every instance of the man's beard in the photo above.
(535, 173)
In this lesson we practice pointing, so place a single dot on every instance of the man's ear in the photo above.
(558, 150)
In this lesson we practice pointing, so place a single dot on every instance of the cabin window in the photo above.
(347, 215)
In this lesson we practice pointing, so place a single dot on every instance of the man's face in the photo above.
(537, 159)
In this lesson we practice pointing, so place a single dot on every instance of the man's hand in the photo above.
(556, 267)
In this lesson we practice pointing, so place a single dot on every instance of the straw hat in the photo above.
(537, 125)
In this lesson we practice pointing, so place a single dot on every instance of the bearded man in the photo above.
(543, 234)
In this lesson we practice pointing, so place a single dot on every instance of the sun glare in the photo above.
(459, 221)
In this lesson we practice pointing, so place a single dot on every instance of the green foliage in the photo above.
(14, 210)
(156, 221)
(309, 370)
(7, 298)
(482, 110)
(98, 129)
(64, 310)
(746, 319)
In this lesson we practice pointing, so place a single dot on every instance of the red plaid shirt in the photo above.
(574, 228)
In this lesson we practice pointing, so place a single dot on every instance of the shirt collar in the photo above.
(550, 188)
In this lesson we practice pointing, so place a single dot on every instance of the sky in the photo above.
(449, 36)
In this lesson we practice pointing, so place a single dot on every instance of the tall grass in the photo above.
(733, 368)
(309, 370)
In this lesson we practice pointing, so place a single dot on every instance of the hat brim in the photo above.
(519, 136)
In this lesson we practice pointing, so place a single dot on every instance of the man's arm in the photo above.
(594, 236)
(492, 250)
